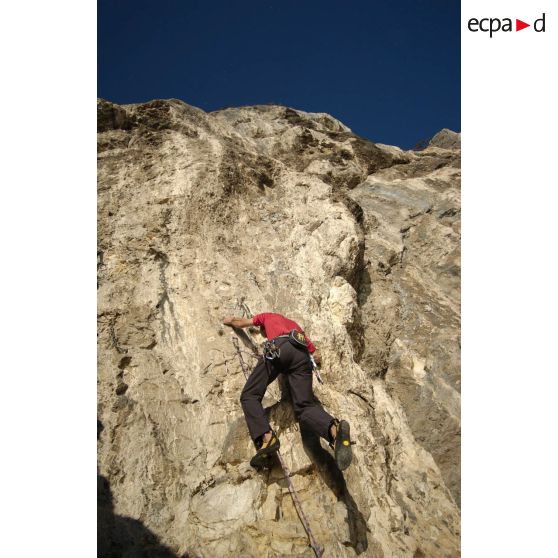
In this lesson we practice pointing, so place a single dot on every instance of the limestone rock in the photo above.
(446, 139)
(201, 215)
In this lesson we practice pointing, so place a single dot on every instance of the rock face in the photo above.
(202, 215)
(446, 139)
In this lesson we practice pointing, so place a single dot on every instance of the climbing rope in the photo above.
(239, 353)
(318, 550)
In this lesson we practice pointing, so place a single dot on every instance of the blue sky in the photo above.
(388, 70)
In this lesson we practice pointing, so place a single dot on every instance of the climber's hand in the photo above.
(317, 357)
(228, 320)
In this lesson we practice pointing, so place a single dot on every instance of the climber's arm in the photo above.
(238, 322)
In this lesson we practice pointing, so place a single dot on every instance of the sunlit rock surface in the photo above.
(280, 210)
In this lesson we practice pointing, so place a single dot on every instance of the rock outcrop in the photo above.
(201, 215)
(446, 139)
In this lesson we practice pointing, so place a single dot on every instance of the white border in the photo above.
(48, 240)
(48, 229)
(509, 284)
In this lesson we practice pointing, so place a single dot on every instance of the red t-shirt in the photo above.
(275, 325)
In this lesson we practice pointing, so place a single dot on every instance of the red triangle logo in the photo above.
(519, 25)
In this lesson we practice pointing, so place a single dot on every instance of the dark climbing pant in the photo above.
(295, 364)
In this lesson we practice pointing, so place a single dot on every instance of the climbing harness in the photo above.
(296, 338)
(318, 550)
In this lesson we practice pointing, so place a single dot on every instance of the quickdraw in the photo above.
(271, 350)
(315, 369)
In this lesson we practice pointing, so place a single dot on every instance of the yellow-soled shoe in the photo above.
(266, 451)
(342, 445)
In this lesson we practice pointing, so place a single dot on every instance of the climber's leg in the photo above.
(251, 398)
(307, 409)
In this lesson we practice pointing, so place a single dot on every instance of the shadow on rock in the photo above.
(119, 536)
(332, 476)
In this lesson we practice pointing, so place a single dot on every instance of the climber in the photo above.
(287, 351)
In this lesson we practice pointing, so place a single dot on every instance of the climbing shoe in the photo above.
(342, 444)
(265, 452)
